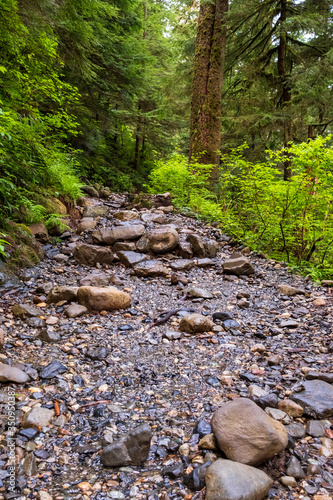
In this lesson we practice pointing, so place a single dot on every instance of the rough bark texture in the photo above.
(205, 133)
(286, 93)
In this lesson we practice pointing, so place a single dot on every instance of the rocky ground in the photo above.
(116, 388)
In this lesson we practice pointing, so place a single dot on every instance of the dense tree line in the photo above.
(103, 88)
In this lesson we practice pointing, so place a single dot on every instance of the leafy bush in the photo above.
(289, 220)
(189, 185)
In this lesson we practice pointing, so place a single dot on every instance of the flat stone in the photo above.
(12, 374)
(124, 246)
(75, 311)
(132, 449)
(151, 268)
(316, 399)
(59, 293)
(130, 259)
(103, 298)
(38, 417)
(289, 290)
(257, 441)
(205, 262)
(96, 279)
(25, 311)
(171, 335)
(196, 323)
(52, 369)
(227, 480)
(289, 323)
(111, 235)
(326, 377)
(49, 336)
(316, 428)
(154, 217)
(199, 293)
(90, 255)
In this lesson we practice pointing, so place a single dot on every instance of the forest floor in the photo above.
(112, 371)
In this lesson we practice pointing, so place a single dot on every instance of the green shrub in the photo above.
(189, 185)
(290, 220)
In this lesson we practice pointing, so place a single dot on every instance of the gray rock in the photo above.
(296, 430)
(130, 259)
(289, 323)
(59, 293)
(171, 335)
(25, 311)
(197, 244)
(316, 399)
(182, 264)
(96, 279)
(111, 235)
(90, 255)
(239, 266)
(35, 322)
(199, 293)
(155, 218)
(160, 240)
(132, 449)
(316, 428)
(211, 247)
(326, 377)
(75, 311)
(227, 480)
(37, 417)
(52, 369)
(289, 290)
(151, 268)
(49, 336)
(12, 374)
(205, 262)
(185, 249)
(257, 441)
(294, 468)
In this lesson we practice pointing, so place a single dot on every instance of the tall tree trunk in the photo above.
(286, 91)
(205, 127)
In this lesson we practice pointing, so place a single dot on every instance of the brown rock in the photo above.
(246, 434)
(96, 279)
(130, 259)
(59, 293)
(291, 408)
(40, 232)
(185, 249)
(239, 266)
(85, 225)
(103, 299)
(319, 302)
(75, 310)
(126, 215)
(37, 417)
(160, 240)
(208, 442)
(196, 323)
(90, 255)
(151, 268)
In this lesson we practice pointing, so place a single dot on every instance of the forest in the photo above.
(227, 105)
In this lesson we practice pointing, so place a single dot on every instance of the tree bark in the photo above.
(205, 127)
(286, 91)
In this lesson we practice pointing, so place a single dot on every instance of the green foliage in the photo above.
(291, 220)
(2, 245)
(56, 221)
(189, 184)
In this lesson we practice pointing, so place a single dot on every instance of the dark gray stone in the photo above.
(132, 449)
(316, 399)
(130, 259)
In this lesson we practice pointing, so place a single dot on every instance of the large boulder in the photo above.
(316, 398)
(103, 299)
(110, 235)
(95, 211)
(59, 293)
(246, 434)
(160, 240)
(227, 480)
(196, 323)
(132, 449)
(238, 265)
(150, 268)
(90, 255)
(40, 232)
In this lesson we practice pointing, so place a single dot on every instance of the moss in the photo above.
(142, 200)
(24, 250)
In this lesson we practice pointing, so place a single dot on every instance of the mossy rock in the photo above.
(53, 205)
(142, 200)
